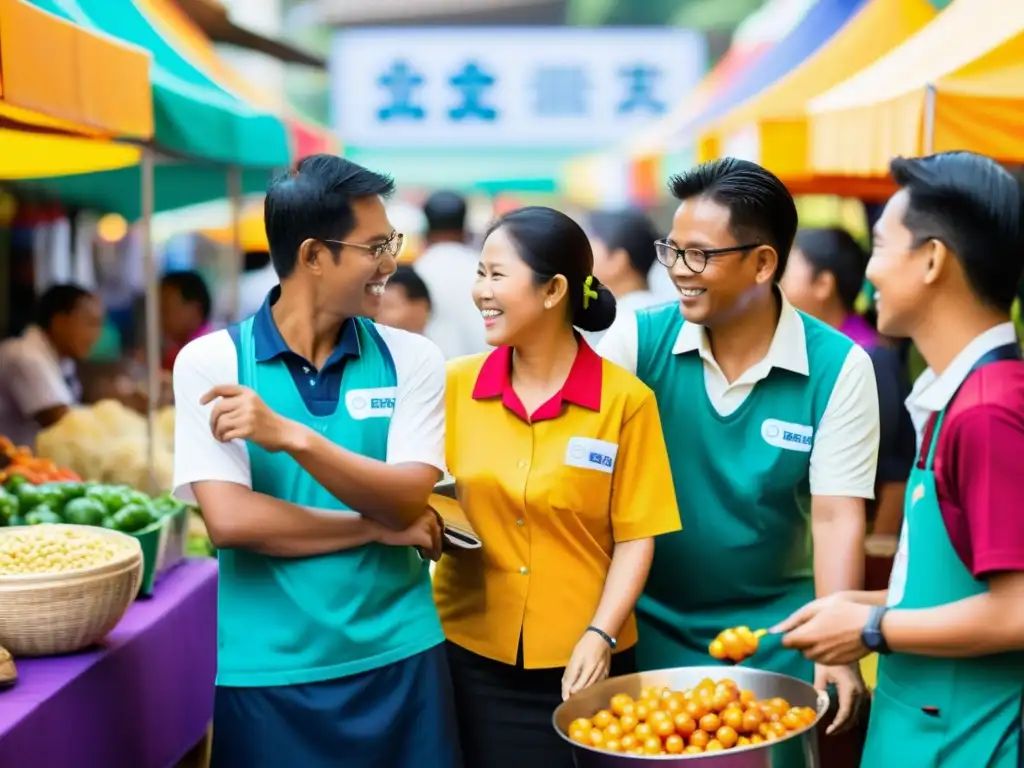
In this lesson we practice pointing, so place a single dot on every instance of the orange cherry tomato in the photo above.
(642, 710)
(628, 723)
(643, 731)
(695, 709)
(596, 737)
(613, 731)
(580, 735)
(752, 720)
(710, 722)
(685, 724)
(652, 746)
(628, 742)
(619, 702)
(733, 717)
(699, 739)
(612, 745)
(602, 719)
(743, 741)
(727, 736)
(664, 728)
(792, 721)
(674, 744)
(717, 650)
(714, 746)
(693, 749)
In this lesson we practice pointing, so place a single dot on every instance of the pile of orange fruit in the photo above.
(711, 717)
(735, 645)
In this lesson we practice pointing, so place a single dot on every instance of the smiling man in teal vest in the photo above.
(948, 257)
(311, 438)
(771, 421)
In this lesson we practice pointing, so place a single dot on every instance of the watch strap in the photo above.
(873, 636)
(612, 642)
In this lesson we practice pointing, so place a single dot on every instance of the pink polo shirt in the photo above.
(979, 463)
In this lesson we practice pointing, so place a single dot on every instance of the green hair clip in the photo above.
(588, 292)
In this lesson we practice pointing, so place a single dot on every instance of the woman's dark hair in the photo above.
(834, 250)
(553, 244)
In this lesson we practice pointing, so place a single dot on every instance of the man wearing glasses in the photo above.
(311, 438)
(775, 418)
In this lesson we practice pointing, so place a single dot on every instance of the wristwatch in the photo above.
(871, 635)
(612, 642)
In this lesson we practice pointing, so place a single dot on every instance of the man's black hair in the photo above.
(974, 206)
(192, 289)
(58, 300)
(413, 285)
(445, 212)
(834, 250)
(314, 201)
(630, 230)
(761, 209)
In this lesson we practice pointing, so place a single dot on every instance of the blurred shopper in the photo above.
(185, 311)
(948, 257)
(38, 370)
(330, 651)
(406, 302)
(448, 267)
(623, 243)
(256, 281)
(560, 466)
(824, 277)
(772, 418)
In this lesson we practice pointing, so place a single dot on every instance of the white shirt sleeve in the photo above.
(844, 457)
(35, 381)
(416, 433)
(620, 343)
(203, 364)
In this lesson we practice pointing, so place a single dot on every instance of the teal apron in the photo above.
(931, 712)
(744, 555)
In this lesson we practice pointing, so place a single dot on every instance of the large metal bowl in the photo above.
(765, 685)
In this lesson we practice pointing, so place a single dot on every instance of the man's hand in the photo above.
(242, 415)
(590, 662)
(425, 534)
(827, 630)
(850, 689)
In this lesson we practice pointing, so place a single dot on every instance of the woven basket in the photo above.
(51, 614)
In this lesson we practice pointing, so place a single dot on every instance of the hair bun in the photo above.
(599, 313)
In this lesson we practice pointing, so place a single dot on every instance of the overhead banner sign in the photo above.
(517, 87)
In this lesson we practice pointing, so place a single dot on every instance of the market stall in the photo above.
(771, 128)
(956, 84)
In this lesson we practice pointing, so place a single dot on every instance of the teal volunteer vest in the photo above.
(286, 621)
(744, 554)
(931, 712)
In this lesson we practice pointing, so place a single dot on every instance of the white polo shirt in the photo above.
(845, 453)
(416, 433)
(33, 378)
(449, 271)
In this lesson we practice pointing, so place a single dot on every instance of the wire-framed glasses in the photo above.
(390, 247)
(695, 259)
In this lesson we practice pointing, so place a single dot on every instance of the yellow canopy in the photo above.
(957, 84)
(772, 127)
(26, 155)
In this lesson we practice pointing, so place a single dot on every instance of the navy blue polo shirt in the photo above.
(320, 389)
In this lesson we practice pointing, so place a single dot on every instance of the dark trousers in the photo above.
(504, 710)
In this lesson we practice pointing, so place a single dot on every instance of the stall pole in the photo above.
(237, 257)
(929, 120)
(152, 313)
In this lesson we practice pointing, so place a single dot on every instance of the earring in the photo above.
(547, 305)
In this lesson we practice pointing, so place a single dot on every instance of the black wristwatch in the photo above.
(612, 642)
(871, 635)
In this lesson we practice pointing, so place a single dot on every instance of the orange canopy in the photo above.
(57, 76)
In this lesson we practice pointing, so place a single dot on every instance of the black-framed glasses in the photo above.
(390, 247)
(695, 259)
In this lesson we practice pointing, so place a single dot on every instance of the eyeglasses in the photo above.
(695, 259)
(390, 247)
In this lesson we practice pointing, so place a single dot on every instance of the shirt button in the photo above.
(524, 570)
(520, 522)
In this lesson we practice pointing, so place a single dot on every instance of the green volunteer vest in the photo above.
(285, 621)
(932, 712)
(744, 554)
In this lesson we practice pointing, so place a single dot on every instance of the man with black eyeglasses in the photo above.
(312, 437)
(772, 425)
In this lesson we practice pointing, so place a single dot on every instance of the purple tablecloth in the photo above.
(142, 700)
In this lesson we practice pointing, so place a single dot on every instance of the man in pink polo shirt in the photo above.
(948, 259)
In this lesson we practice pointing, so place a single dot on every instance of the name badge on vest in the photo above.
(788, 436)
(371, 403)
(588, 453)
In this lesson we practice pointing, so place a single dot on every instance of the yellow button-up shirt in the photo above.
(549, 494)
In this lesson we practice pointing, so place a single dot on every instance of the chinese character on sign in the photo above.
(472, 81)
(561, 91)
(640, 90)
(400, 80)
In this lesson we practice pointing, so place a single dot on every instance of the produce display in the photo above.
(110, 506)
(18, 461)
(711, 717)
(45, 549)
(107, 442)
(736, 644)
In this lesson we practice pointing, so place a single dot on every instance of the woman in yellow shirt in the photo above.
(561, 468)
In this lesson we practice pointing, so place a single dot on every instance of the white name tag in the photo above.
(788, 436)
(588, 453)
(371, 403)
